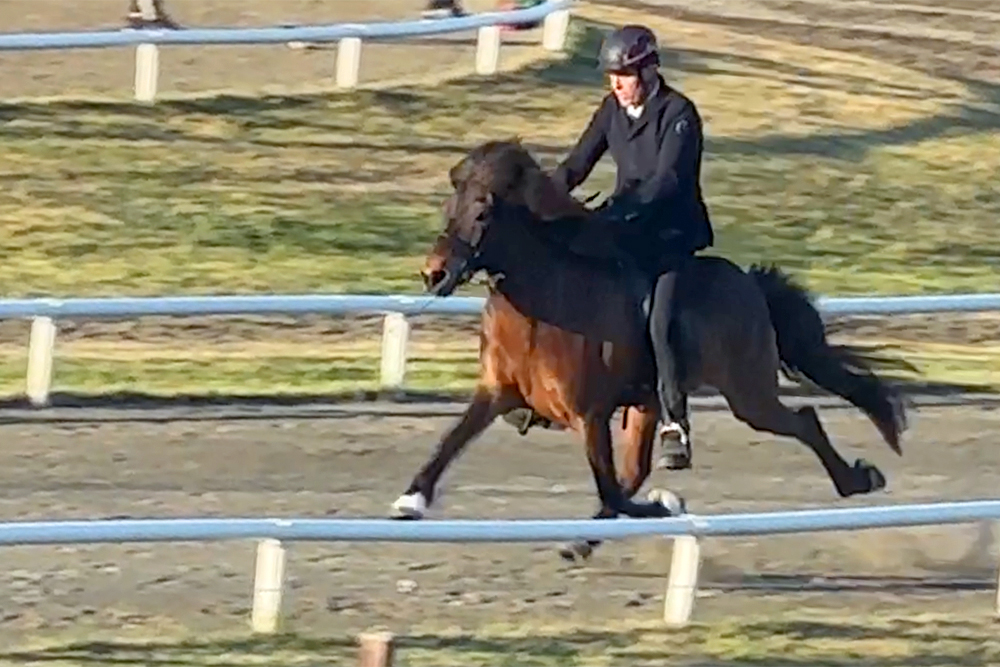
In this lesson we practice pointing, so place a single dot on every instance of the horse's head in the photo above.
(492, 175)
(456, 253)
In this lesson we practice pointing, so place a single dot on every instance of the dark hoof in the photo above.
(574, 550)
(674, 461)
(868, 478)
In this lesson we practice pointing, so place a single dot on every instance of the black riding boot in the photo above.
(675, 432)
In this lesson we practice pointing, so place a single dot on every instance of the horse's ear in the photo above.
(460, 173)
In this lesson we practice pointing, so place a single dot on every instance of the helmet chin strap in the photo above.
(649, 79)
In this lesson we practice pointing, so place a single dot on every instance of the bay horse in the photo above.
(564, 334)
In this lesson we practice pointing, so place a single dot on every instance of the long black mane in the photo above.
(555, 236)
(548, 213)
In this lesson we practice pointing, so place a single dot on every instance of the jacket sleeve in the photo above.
(676, 163)
(589, 148)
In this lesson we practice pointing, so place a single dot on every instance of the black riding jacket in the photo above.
(658, 159)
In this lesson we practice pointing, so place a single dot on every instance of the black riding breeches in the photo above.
(666, 357)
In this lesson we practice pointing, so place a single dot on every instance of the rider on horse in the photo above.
(656, 215)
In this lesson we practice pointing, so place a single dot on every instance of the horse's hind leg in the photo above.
(764, 412)
(486, 405)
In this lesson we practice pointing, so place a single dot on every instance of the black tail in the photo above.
(842, 369)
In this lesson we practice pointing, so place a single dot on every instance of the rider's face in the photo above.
(627, 88)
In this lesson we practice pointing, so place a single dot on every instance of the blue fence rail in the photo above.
(686, 530)
(478, 531)
(348, 36)
(44, 311)
(345, 304)
(275, 35)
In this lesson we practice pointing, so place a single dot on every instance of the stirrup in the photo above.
(520, 418)
(524, 418)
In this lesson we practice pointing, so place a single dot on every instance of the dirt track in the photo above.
(352, 461)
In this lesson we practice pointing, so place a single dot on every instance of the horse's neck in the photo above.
(553, 286)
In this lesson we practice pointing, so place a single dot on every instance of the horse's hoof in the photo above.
(411, 506)
(869, 478)
(668, 499)
(674, 461)
(574, 550)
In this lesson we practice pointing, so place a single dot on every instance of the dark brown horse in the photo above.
(564, 334)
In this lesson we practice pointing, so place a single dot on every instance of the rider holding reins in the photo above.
(656, 214)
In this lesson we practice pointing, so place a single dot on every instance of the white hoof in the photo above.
(411, 506)
(668, 499)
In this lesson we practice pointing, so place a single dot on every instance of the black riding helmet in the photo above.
(631, 48)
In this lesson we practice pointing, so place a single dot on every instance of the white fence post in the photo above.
(488, 50)
(147, 71)
(41, 349)
(375, 649)
(395, 333)
(554, 30)
(682, 584)
(993, 531)
(267, 586)
(348, 62)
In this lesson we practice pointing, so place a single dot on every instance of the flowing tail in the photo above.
(847, 371)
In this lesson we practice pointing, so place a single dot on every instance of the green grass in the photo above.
(886, 641)
(856, 178)
(855, 175)
(446, 367)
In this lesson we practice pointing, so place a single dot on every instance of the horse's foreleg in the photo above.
(637, 455)
(637, 448)
(486, 405)
(600, 455)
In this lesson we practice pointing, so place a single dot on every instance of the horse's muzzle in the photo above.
(440, 282)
